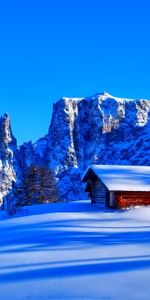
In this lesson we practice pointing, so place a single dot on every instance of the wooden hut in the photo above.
(118, 186)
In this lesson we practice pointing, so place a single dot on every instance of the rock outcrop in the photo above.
(101, 129)
(8, 148)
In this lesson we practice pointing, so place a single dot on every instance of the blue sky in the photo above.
(54, 48)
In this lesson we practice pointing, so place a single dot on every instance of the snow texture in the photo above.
(75, 251)
(122, 178)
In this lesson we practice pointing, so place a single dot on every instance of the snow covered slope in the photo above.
(75, 251)
(101, 129)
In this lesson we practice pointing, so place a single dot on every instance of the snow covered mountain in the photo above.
(101, 129)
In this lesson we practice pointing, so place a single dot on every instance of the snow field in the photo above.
(75, 251)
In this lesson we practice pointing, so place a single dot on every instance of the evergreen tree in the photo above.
(39, 186)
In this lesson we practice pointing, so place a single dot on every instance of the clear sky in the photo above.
(54, 48)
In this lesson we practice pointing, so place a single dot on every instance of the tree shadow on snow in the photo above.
(35, 238)
(85, 269)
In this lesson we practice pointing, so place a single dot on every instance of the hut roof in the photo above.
(121, 178)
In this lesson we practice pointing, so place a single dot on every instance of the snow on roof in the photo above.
(121, 178)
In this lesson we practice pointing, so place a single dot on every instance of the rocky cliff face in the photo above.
(8, 148)
(101, 129)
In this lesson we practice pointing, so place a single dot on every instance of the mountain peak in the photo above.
(104, 93)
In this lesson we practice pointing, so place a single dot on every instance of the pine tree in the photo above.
(39, 186)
